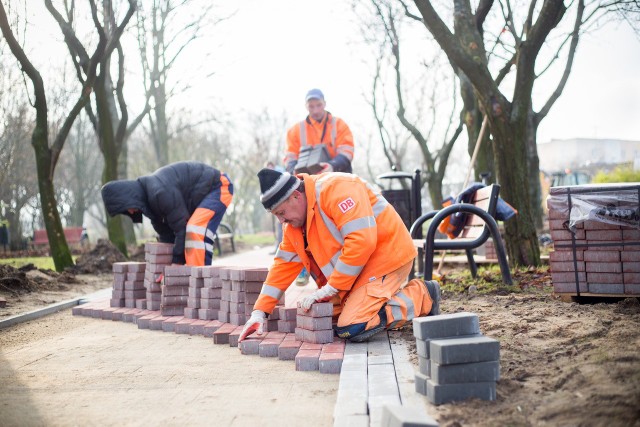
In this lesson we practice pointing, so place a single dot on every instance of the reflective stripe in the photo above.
(303, 135)
(396, 313)
(327, 269)
(334, 132)
(379, 206)
(335, 233)
(357, 224)
(287, 256)
(195, 244)
(196, 229)
(271, 291)
(409, 303)
(349, 270)
(210, 234)
(208, 247)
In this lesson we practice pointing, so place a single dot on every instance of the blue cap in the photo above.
(314, 94)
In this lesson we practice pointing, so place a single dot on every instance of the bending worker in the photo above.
(320, 127)
(354, 244)
(185, 202)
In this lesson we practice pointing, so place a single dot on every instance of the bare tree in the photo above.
(164, 32)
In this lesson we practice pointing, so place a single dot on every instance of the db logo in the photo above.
(346, 204)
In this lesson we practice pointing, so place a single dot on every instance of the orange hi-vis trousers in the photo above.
(203, 223)
(357, 311)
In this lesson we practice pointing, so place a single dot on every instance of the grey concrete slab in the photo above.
(446, 325)
(445, 393)
(464, 350)
(465, 372)
(402, 416)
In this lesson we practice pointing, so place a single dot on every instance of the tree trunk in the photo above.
(510, 160)
(161, 140)
(533, 169)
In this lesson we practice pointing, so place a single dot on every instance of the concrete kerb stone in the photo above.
(54, 308)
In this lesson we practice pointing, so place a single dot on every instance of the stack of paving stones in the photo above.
(315, 325)
(175, 290)
(597, 258)
(456, 361)
(157, 255)
(196, 283)
(210, 293)
(128, 284)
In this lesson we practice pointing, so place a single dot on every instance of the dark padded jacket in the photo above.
(168, 197)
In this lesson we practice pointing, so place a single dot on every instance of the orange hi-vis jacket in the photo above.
(354, 236)
(331, 131)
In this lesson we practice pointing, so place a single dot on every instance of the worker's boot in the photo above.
(366, 335)
(434, 292)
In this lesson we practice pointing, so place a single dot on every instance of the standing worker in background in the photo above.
(356, 246)
(185, 202)
(320, 127)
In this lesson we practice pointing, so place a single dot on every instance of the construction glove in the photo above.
(255, 323)
(160, 279)
(326, 167)
(321, 295)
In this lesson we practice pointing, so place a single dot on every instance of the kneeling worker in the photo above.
(354, 244)
(185, 202)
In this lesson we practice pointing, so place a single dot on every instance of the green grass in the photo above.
(260, 239)
(489, 280)
(42, 262)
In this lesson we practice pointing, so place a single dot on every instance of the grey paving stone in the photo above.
(421, 383)
(422, 346)
(355, 348)
(465, 372)
(445, 393)
(352, 421)
(446, 325)
(424, 365)
(403, 416)
(383, 389)
(464, 350)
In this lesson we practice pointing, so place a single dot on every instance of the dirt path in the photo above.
(562, 364)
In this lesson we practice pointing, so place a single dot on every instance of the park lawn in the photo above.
(41, 262)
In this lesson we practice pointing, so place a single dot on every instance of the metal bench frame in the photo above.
(431, 244)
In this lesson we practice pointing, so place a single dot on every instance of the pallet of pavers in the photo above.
(596, 239)
(456, 362)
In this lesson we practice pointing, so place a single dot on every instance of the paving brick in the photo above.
(336, 346)
(158, 248)
(211, 293)
(405, 416)
(169, 325)
(177, 271)
(256, 274)
(288, 349)
(183, 326)
(134, 295)
(118, 314)
(207, 314)
(307, 360)
(632, 289)
(286, 325)
(424, 365)
(234, 335)
(250, 345)
(116, 302)
(253, 287)
(223, 316)
(569, 277)
(630, 255)
(421, 383)
(191, 313)
(221, 336)
(318, 309)
(211, 327)
(598, 225)
(237, 319)
(566, 235)
(210, 303)
(631, 278)
(310, 346)
(287, 313)
(604, 278)
(330, 363)
(383, 389)
(313, 323)
(213, 283)
(269, 347)
(446, 325)
(350, 420)
(631, 266)
(128, 316)
(601, 256)
(145, 321)
(197, 327)
(606, 288)
(155, 324)
(465, 372)
(158, 258)
(107, 312)
(172, 310)
(604, 235)
(170, 281)
(630, 234)
(569, 287)
(318, 337)
(603, 267)
(174, 299)
(445, 393)
(140, 314)
(464, 350)
(559, 267)
(565, 256)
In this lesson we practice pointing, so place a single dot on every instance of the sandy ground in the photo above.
(562, 363)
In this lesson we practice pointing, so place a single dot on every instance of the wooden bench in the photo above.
(480, 224)
(75, 236)
(224, 232)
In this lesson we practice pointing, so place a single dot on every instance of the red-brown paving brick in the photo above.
(560, 267)
(603, 267)
(313, 323)
(158, 248)
(169, 325)
(630, 234)
(250, 345)
(234, 335)
(567, 235)
(155, 324)
(307, 360)
(631, 266)
(318, 309)
(197, 327)
(565, 256)
(191, 313)
(182, 327)
(595, 255)
(221, 336)
(118, 314)
(318, 337)
(569, 287)
(311, 346)
(631, 278)
(288, 349)
(604, 278)
(604, 235)
(288, 314)
(269, 347)
(286, 325)
(211, 327)
(630, 255)
(107, 313)
(207, 314)
(336, 346)
(145, 321)
(606, 288)
(330, 363)
(632, 289)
